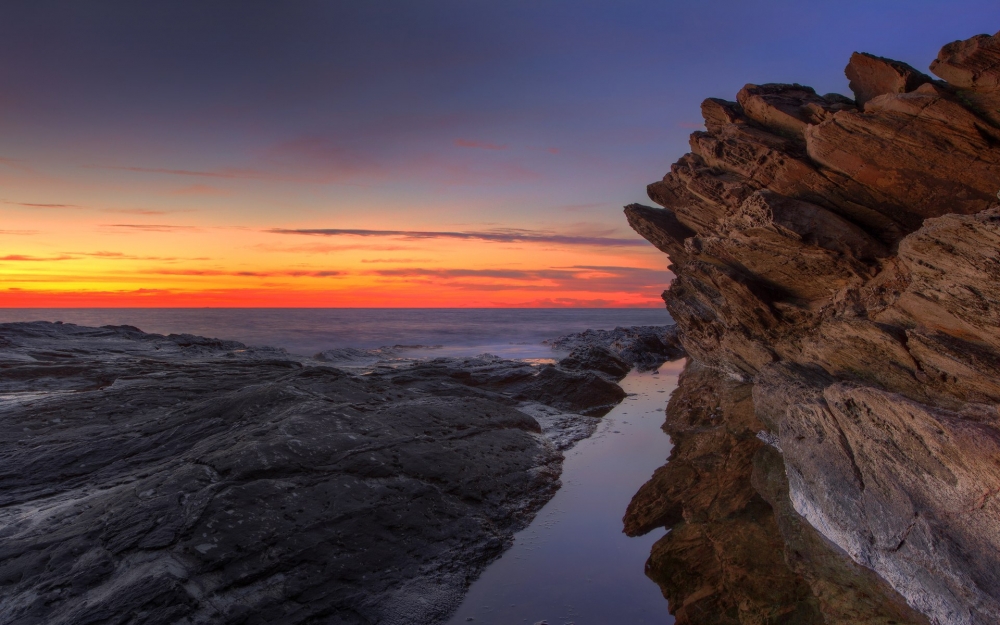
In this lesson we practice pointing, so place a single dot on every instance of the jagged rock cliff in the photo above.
(843, 258)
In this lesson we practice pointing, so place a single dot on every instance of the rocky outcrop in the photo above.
(841, 258)
(187, 480)
(618, 350)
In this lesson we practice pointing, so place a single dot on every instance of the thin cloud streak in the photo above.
(495, 236)
(41, 205)
(237, 173)
(229, 173)
(33, 259)
(603, 279)
(123, 256)
(482, 145)
(141, 211)
(151, 227)
(247, 274)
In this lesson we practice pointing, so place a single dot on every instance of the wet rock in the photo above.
(642, 347)
(187, 480)
(596, 358)
(844, 263)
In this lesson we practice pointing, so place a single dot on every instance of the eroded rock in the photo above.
(844, 262)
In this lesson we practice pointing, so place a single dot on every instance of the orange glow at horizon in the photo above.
(86, 261)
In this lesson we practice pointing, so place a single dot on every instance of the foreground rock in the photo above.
(179, 479)
(841, 256)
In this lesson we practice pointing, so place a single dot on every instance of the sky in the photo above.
(431, 153)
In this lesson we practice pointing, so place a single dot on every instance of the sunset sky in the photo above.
(431, 153)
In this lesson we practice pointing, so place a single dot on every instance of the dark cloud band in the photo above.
(497, 236)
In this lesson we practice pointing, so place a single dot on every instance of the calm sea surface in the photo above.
(508, 332)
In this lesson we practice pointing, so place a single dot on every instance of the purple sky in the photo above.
(431, 115)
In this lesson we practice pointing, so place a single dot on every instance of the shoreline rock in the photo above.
(642, 347)
(178, 479)
(841, 256)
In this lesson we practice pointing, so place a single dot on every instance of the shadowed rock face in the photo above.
(151, 479)
(842, 262)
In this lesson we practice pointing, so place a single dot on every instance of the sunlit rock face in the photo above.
(842, 258)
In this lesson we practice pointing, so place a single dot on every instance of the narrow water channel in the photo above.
(573, 564)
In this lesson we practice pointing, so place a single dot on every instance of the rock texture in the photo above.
(152, 479)
(736, 551)
(842, 258)
(642, 347)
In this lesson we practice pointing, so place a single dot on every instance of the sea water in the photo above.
(506, 332)
(573, 564)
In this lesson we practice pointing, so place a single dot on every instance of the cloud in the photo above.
(137, 211)
(200, 190)
(18, 232)
(123, 256)
(506, 235)
(552, 150)
(15, 163)
(576, 208)
(27, 258)
(231, 173)
(574, 279)
(324, 248)
(309, 159)
(151, 227)
(40, 205)
(510, 274)
(394, 260)
(482, 145)
(292, 273)
(228, 172)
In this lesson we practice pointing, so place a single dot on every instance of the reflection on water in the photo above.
(573, 564)
(737, 553)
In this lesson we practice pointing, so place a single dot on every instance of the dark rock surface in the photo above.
(843, 258)
(642, 347)
(151, 479)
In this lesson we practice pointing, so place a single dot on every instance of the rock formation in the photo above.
(183, 480)
(841, 259)
(642, 347)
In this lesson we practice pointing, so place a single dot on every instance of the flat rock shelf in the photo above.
(573, 564)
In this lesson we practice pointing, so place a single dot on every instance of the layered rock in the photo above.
(843, 258)
(187, 480)
(736, 551)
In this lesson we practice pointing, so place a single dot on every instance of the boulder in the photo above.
(872, 76)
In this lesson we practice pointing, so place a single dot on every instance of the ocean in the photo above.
(506, 332)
